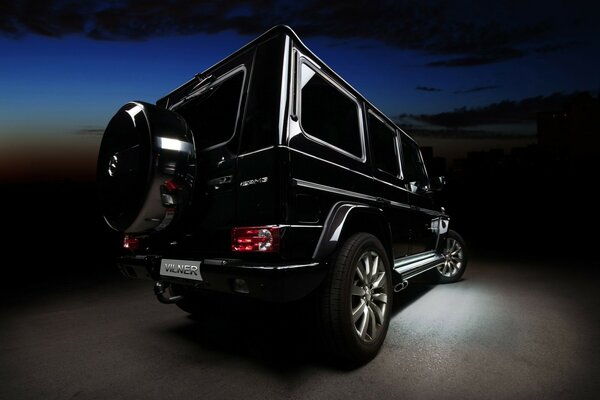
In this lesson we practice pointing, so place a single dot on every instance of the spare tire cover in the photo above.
(146, 153)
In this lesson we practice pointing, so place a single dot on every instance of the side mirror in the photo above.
(438, 183)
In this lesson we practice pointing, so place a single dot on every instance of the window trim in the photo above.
(197, 92)
(302, 59)
(421, 161)
(397, 148)
(399, 139)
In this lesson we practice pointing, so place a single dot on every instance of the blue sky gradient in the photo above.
(66, 67)
(69, 68)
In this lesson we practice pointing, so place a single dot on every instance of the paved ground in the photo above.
(507, 331)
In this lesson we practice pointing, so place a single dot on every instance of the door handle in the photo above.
(381, 200)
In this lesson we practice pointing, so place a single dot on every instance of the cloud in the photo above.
(489, 56)
(428, 89)
(478, 34)
(554, 47)
(506, 111)
(477, 89)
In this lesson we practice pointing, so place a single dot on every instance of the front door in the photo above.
(422, 235)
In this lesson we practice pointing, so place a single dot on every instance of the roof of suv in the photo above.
(275, 31)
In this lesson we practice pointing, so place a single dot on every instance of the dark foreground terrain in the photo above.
(523, 324)
(509, 330)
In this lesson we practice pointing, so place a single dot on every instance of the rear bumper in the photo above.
(266, 281)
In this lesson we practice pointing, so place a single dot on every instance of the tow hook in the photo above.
(159, 291)
(401, 286)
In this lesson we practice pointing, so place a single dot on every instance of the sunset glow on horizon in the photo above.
(65, 69)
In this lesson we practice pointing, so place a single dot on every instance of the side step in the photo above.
(411, 266)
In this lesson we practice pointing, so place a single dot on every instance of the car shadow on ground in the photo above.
(282, 337)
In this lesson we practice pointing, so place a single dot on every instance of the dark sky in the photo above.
(66, 66)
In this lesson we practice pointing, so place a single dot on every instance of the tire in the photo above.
(355, 338)
(453, 268)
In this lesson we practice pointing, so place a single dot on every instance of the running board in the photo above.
(410, 266)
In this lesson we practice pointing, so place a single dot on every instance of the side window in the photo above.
(383, 145)
(327, 114)
(413, 168)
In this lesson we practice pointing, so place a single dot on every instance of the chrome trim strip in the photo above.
(344, 192)
(283, 112)
(400, 156)
(400, 205)
(224, 263)
(276, 267)
(286, 226)
(360, 195)
(327, 161)
(428, 211)
(256, 151)
(318, 186)
(216, 262)
(346, 168)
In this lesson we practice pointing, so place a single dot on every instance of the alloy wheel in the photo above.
(454, 257)
(369, 296)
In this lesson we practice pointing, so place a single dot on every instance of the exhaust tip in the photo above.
(401, 286)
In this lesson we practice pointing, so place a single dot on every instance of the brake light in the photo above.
(170, 185)
(264, 239)
(131, 242)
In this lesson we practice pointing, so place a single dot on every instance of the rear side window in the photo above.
(413, 167)
(213, 112)
(328, 114)
(383, 144)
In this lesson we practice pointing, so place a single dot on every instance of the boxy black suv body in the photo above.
(269, 176)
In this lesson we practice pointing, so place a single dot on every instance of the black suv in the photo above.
(269, 176)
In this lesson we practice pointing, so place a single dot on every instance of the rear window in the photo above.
(213, 112)
(328, 114)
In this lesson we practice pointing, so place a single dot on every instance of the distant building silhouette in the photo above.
(575, 129)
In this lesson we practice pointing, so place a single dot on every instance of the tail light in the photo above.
(263, 239)
(131, 242)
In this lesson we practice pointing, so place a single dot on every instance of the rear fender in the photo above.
(340, 224)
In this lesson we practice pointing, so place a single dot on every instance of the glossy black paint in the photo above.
(142, 147)
(272, 172)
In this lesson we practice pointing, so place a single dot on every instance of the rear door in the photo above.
(214, 111)
(259, 168)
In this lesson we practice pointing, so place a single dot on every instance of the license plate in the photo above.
(185, 269)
